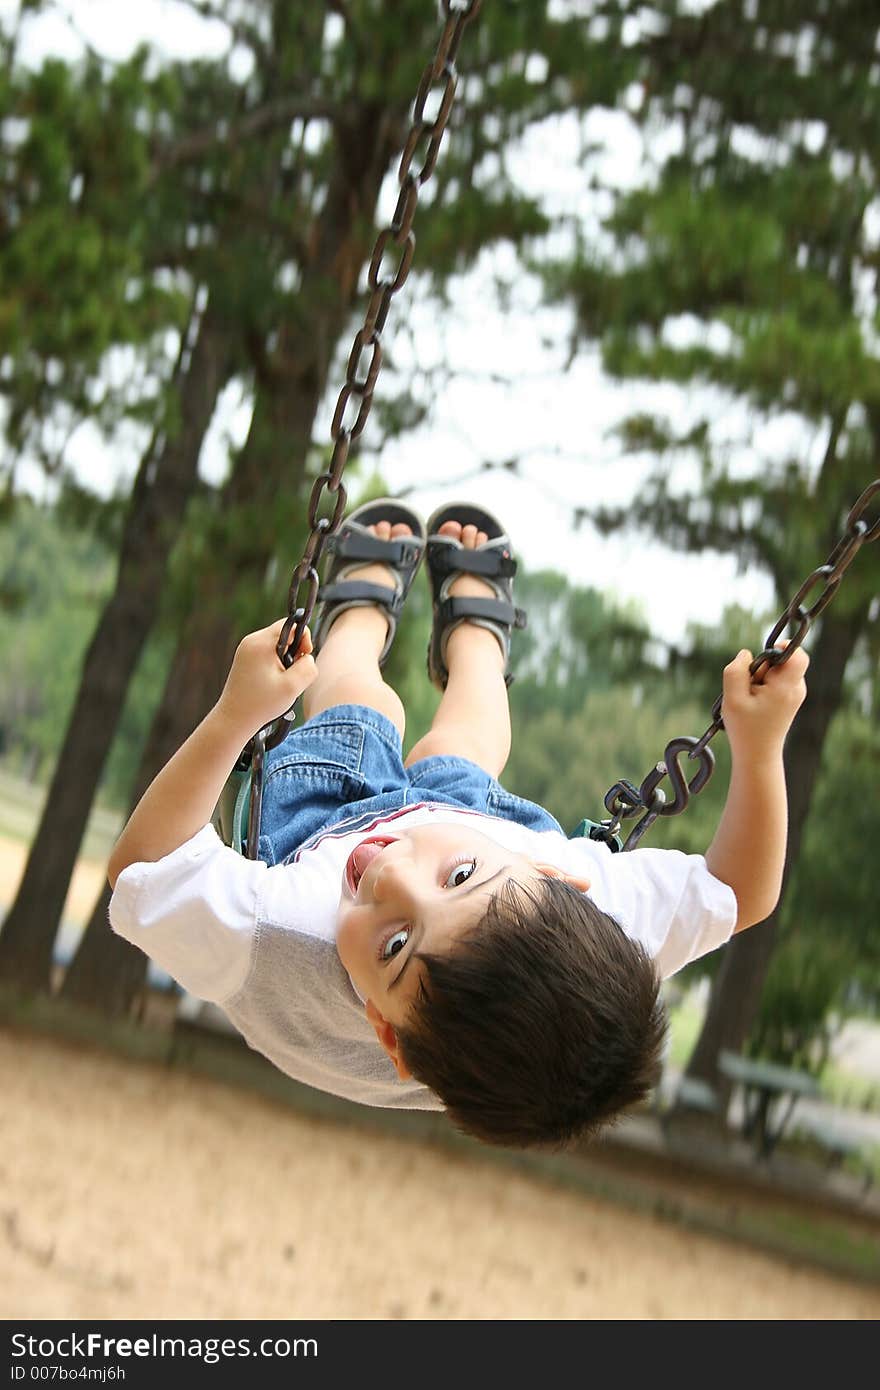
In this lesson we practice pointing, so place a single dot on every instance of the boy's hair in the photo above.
(542, 1022)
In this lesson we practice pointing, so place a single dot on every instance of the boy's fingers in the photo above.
(305, 649)
(796, 664)
(735, 669)
(276, 629)
(799, 660)
(738, 669)
(304, 662)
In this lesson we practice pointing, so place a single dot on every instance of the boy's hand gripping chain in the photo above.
(625, 800)
(441, 76)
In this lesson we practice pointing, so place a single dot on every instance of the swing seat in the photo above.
(597, 830)
(230, 818)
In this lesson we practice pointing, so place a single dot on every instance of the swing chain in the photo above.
(439, 75)
(356, 396)
(624, 800)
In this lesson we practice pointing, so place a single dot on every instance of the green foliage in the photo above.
(74, 239)
(801, 988)
(829, 963)
(743, 262)
(50, 585)
(831, 896)
(53, 581)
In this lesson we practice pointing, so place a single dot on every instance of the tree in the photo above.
(50, 578)
(79, 258)
(829, 963)
(746, 266)
(75, 256)
(165, 480)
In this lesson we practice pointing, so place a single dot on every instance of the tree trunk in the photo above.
(107, 974)
(164, 484)
(736, 990)
(270, 473)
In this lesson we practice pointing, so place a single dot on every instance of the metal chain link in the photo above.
(624, 800)
(384, 283)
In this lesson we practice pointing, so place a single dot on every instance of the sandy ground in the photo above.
(129, 1191)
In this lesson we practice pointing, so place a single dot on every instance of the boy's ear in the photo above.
(550, 871)
(387, 1036)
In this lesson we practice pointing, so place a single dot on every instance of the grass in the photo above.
(852, 1092)
(862, 1162)
(685, 1021)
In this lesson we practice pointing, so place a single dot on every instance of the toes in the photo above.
(469, 536)
(384, 530)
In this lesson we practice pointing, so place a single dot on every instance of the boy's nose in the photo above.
(393, 873)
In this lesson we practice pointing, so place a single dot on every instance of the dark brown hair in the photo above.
(541, 1024)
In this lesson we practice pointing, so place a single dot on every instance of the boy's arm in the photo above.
(748, 849)
(181, 800)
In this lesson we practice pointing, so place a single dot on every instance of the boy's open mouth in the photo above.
(361, 856)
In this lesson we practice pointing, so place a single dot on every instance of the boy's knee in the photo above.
(354, 690)
(457, 741)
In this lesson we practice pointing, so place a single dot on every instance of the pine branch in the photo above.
(257, 122)
(670, 517)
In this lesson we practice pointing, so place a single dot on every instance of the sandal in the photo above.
(352, 546)
(493, 561)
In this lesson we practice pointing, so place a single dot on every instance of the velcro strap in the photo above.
(496, 610)
(353, 545)
(346, 589)
(447, 559)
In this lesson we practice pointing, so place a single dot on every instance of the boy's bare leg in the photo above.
(473, 717)
(348, 662)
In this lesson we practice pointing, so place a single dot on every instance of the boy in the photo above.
(412, 934)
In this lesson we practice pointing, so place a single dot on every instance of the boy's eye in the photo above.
(395, 943)
(461, 873)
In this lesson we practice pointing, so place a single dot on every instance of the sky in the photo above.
(512, 390)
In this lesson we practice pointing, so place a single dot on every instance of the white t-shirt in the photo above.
(260, 941)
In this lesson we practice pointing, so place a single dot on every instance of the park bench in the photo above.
(770, 1093)
(838, 1144)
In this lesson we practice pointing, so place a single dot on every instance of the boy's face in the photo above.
(418, 892)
